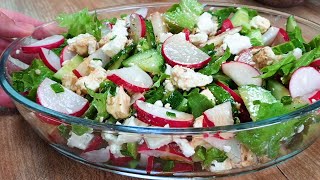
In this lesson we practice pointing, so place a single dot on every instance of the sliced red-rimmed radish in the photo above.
(50, 59)
(132, 78)
(66, 54)
(160, 116)
(120, 161)
(98, 156)
(48, 43)
(235, 96)
(304, 80)
(15, 65)
(246, 56)
(99, 55)
(220, 115)
(137, 27)
(187, 33)
(158, 24)
(314, 97)
(135, 97)
(182, 167)
(95, 143)
(170, 151)
(150, 163)
(83, 69)
(142, 12)
(48, 119)
(66, 102)
(242, 73)
(177, 51)
(226, 25)
(269, 36)
(316, 64)
(281, 37)
(217, 40)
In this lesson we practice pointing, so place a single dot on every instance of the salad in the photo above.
(187, 67)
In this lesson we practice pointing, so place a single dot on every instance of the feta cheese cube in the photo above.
(158, 103)
(92, 81)
(80, 142)
(119, 105)
(115, 46)
(83, 44)
(157, 141)
(236, 43)
(115, 149)
(199, 38)
(168, 86)
(207, 24)
(184, 146)
(261, 23)
(221, 166)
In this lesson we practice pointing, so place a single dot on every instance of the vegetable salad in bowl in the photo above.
(187, 91)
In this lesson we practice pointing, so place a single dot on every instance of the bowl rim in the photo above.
(4, 82)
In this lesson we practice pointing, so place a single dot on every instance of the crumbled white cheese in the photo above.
(207, 24)
(83, 44)
(184, 146)
(120, 29)
(198, 122)
(236, 43)
(261, 23)
(186, 78)
(92, 81)
(199, 38)
(226, 149)
(221, 166)
(206, 92)
(297, 52)
(158, 103)
(168, 70)
(157, 141)
(115, 45)
(115, 149)
(168, 86)
(95, 64)
(119, 105)
(38, 71)
(164, 36)
(80, 142)
(132, 121)
(300, 128)
(168, 106)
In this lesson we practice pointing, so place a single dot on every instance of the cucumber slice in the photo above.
(255, 37)
(151, 39)
(288, 46)
(277, 89)
(291, 24)
(150, 61)
(74, 63)
(241, 18)
(250, 94)
(117, 60)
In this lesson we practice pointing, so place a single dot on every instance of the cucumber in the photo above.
(291, 24)
(250, 94)
(293, 29)
(149, 61)
(255, 37)
(241, 18)
(151, 39)
(74, 63)
(288, 46)
(277, 89)
(117, 60)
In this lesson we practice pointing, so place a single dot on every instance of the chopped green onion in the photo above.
(57, 88)
(170, 114)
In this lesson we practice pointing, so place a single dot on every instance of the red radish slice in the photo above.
(15, 65)
(242, 73)
(97, 156)
(226, 25)
(95, 143)
(246, 56)
(149, 163)
(49, 43)
(132, 78)
(315, 97)
(48, 120)
(137, 27)
(66, 102)
(269, 36)
(170, 151)
(120, 161)
(135, 97)
(142, 12)
(158, 116)
(177, 51)
(158, 24)
(281, 37)
(99, 55)
(187, 33)
(50, 59)
(66, 54)
(304, 80)
(83, 69)
(316, 64)
(235, 96)
(182, 167)
(220, 115)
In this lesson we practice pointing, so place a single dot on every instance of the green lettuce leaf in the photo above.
(215, 64)
(198, 103)
(80, 23)
(80, 130)
(29, 79)
(223, 14)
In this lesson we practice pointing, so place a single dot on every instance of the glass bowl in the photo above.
(46, 122)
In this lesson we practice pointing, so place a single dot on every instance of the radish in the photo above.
(220, 115)
(50, 59)
(143, 12)
(170, 152)
(158, 24)
(150, 163)
(135, 97)
(235, 96)
(304, 80)
(132, 78)
(242, 73)
(226, 25)
(316, 64)
(120, 161)
(99, 55)
(187, 33)
(97, 156)
(281, 37)
(49, 43)
(15, 65)
(66, 102)
(82, 69)
(95, 143)
(217, 40)
(137, 27)
(269, 36)
(66, 54)
(160, 116)
(182, 167)
(178, 51)
(314, 97)
(246, 56)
